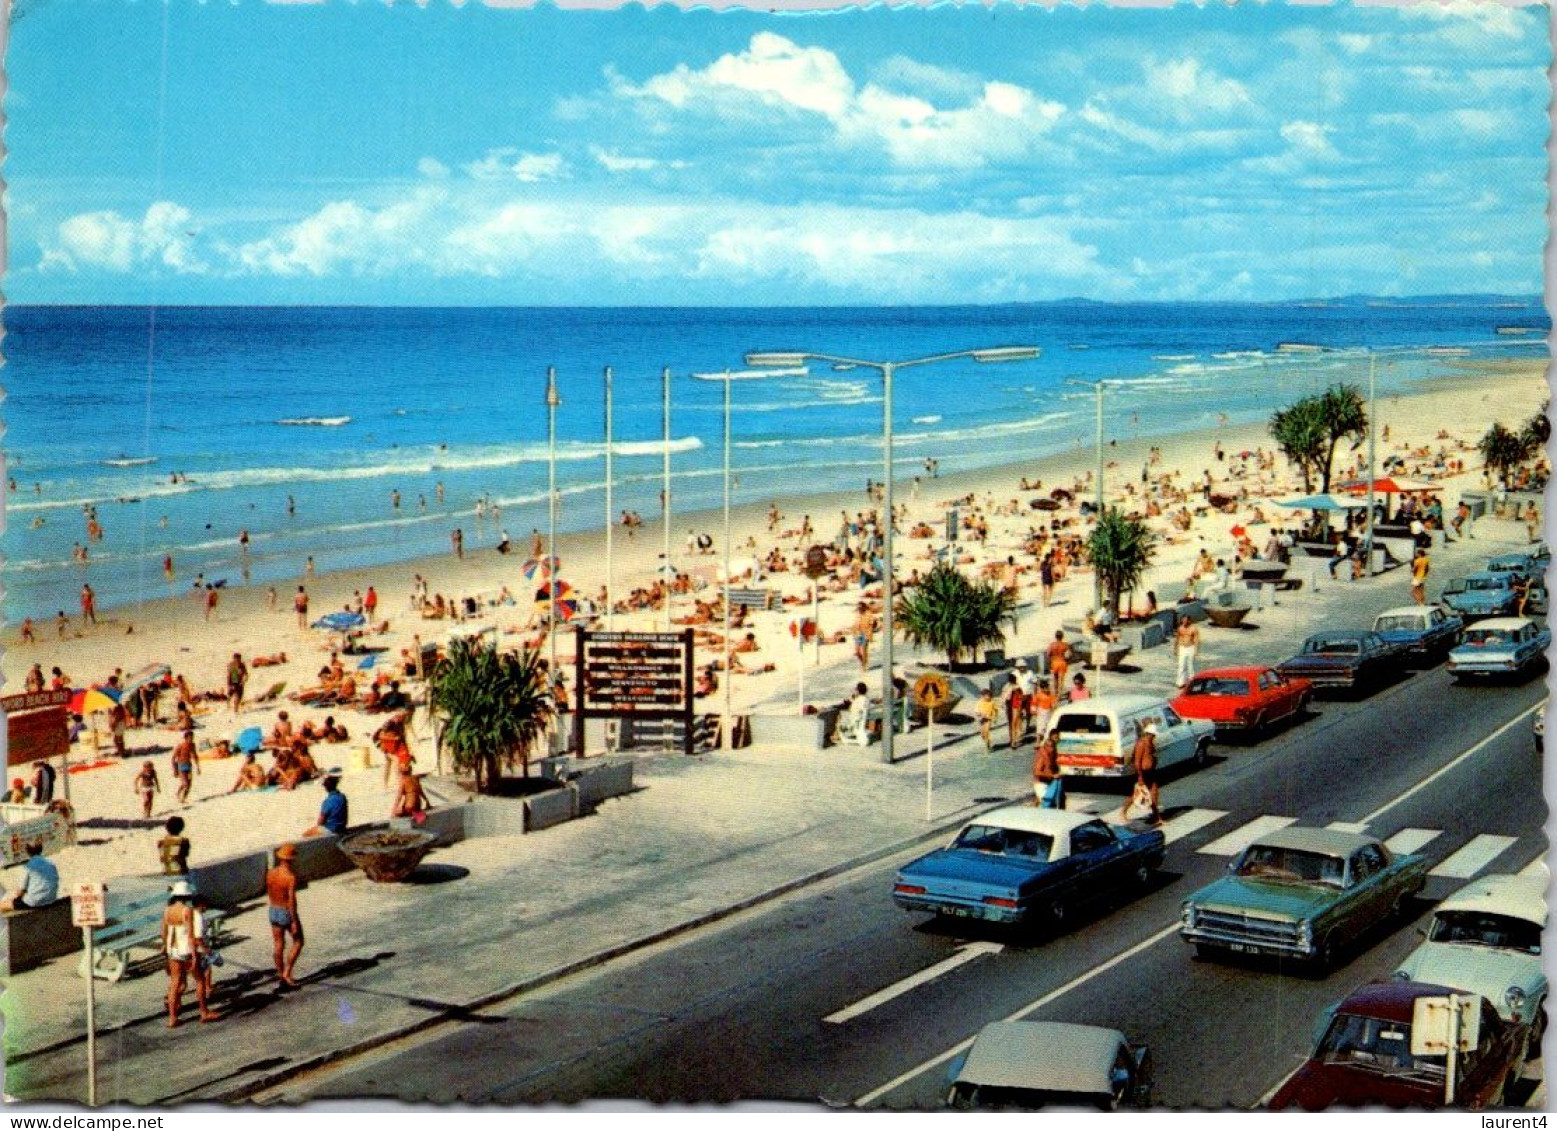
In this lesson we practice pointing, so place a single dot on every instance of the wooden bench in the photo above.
(137, 925)
(751, 599)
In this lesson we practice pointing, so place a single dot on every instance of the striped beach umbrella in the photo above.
(542, 567)
(560, 594)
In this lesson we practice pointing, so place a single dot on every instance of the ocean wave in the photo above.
(926, 420)
(315, 421)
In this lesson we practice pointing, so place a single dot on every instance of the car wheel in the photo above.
(1058, 912)
(1143, 876)
(1203, 753)
(1257, 725)
(1536, 1036)
(1397, 908)
(1325, 958)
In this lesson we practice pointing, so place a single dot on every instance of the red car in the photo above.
(1365, 1057)
(1243, 700)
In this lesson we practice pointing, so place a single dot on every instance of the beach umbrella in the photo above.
(90, 700)
(341, 621)
(1393, 485)
(249, 740)
(367, 661)
(543, 567)
(560, 593)
(149, 674)
(1322, 503)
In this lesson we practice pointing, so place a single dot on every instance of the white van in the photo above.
(1096, 736)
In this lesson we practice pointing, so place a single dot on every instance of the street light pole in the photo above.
(552, 401)
(610, 587)
(665, 491)
(887, 369)
(1097, 387)
(1372, 472)
(729, 649)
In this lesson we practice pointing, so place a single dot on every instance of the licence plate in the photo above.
(1243, 948)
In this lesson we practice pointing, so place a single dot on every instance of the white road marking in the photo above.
(964, 954)
(1448, 766)
(1348, 826)
(1474, 856)
(934, 1062)
(1538, 869)
(1409, 840)
(1090, 802)
(1245, 835)
(1186, 823)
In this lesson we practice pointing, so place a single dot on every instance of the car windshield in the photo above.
(1218, 685)
(1483, 637)
(1333, 646)
(1083, 724)
(1409, 622)
(1383, 1046)
(1486, 583)
(1291, 865)
(1005, 842)
(1482, 928)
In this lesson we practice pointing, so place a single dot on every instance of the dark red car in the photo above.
(1243, 700)
(1365, 1059)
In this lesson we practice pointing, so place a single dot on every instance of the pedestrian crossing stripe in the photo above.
(1407, 841)
(1536, 868)
(1242, 837)
(1184, 824)
(1348, 826)
(1474, 856)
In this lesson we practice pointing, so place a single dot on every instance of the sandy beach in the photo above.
(174, 631)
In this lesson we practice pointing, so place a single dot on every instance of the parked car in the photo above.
(1527, 563)
(1501, 646)
(1486, 938)
(1034, 1064)
(1019, 863)
(1423, 633)
(1482, 594)
(1096, 736)
(1301, 893)
(1346, 659)
(1365, 1056)
(1243, 700)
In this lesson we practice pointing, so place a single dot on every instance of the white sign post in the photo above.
(1447, 1027)
(88, 909)
(930, 691)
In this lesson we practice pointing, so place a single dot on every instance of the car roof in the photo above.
(1523, 897)
(1117, 704)
(1247, 671)
(1330, 842)
(1032, 819)
(1404, 610)
(1499, 624)
(1483, 574)
(1393, 1000)
(1049, 1056)
(1342, 634)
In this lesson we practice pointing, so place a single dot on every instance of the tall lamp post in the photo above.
(552, 401)
(1372, 467)
(665, 570)
(887, 369)
(610, 586)
(1097, 387)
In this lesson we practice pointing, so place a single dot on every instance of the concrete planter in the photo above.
(28, 938)
(598, 781)
(543, 810)
(807, 731)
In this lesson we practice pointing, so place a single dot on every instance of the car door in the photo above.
(1270, 695)
(1175, 736)
(1368, 892)
(1096, 852)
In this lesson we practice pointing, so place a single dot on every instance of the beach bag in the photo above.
(1053, 795)
(1140, 806)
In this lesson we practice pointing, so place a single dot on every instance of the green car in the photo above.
(1303, 894)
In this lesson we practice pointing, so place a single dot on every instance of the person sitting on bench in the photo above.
(41, 885)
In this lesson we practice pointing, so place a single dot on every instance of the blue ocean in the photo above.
(186, 426)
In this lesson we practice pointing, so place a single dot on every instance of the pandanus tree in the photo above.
(492, 708)
(1308, 430)
(951, 614)
(1502, 450)
(1120, 548)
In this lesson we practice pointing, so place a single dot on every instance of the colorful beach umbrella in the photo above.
(249, 740)
(1322, 503)
(1393, 485)
(542, 567)
(341, 621)
(90, 700)
(559, 594)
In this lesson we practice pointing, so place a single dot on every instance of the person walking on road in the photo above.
(281, 893)
(1186, 643)
(985, 710)
(1419, 568)
(1047, 786)
(182, 942)
(1059, 659)
(1144, 755)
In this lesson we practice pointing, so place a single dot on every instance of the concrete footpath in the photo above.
(488, 918)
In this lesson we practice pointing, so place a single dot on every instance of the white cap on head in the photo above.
(1021, 664)
(180, 889)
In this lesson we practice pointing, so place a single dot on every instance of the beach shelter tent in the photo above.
(1323, 502)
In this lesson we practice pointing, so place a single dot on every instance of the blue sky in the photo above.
(351, 153)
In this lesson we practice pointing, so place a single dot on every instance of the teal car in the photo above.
(1303, 894)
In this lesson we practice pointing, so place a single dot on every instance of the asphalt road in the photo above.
(736, 1011)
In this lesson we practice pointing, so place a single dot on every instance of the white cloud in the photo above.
(1190, 89)
(432, 167)
(346, 235)
(1357, 44)
(1000, 121)
(508, 163)
(112, 242)
(613, 162)
(1308, 145)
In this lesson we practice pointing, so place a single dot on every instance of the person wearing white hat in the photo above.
(1144, 755)
(182, 942)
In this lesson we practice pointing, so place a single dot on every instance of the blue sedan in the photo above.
(1503, 646)
(1021, 863)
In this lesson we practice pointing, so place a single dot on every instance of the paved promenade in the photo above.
(698, 839)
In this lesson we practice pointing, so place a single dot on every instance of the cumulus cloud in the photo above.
(431, 167)
(1308, 145)
(613, 162)
(345, 235)
(1190, 89)
(111, 242)
(508, 163)
(998, 120)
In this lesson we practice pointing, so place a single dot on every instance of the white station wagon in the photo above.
(1486, 938)
(1501, 646)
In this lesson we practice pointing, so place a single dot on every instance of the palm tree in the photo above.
(1502, 451)
(948, 612)
(1299, 431)
(1121, 549)
(1537, 430)
(493, 706)
(1345, 416)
